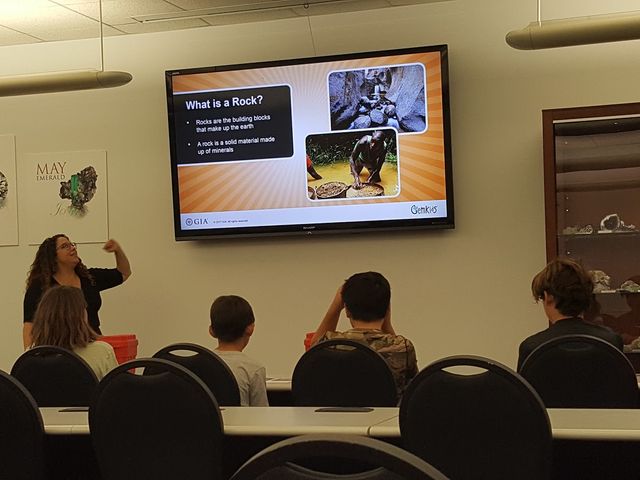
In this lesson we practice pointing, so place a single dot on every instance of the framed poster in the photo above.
(66, 192)
(8, 193)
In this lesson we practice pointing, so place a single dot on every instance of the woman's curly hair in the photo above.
(45, 264)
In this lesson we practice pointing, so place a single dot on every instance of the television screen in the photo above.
(325, 144)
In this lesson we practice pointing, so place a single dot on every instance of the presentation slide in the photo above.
(350, 140)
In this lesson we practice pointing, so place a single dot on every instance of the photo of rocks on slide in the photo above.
(4, 189)
(379, 97)
(81, 188)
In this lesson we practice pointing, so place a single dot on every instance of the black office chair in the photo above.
(581, 371)
(56, 377)
(161, 426)
(383, 461)
(488, 425)
(209, 367)
(21, 433)
(343, 373)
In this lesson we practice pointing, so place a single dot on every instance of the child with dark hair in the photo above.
(233, 323)
(565, 289)
(366, 299)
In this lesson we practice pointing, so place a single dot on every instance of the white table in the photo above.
(249, 421)
(566, 424)
(279, 392)
(279, 384)
(290, 421)
(64, 423)
(592, 424)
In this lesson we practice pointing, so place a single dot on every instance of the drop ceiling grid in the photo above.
(34, 21)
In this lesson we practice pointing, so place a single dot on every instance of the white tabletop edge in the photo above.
(603, 435)
(291, 431)
(567, 424)
(385, 428)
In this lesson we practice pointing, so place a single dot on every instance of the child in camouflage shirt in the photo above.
(366, 299)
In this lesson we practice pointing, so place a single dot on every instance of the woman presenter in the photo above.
(57, 263)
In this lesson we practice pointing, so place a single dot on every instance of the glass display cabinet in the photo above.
(592, 205)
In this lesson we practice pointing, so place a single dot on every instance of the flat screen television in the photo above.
(344, 143)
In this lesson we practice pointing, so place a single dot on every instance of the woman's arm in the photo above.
(122, 262)
(26, 334)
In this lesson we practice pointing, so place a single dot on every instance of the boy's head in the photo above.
(230, 317)
(568, 283)
(366, 296)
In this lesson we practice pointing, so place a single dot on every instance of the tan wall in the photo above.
(454, 292)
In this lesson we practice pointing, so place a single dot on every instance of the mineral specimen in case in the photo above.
(601, 281)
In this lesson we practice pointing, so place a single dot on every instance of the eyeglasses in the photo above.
(67, 246)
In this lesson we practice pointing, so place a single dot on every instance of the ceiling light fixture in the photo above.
(256, 6)
(65, 81)
(576, 31)
(249, 7)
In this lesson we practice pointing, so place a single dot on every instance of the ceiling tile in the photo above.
(119, 12)
(49, 18)
(246, 4)
(162, 26)
(199, 4)
(74, 2)
(54, 33)
(351, 6)
(397, 3)
(11, 37)
(29, 21)
(250, 17)
(16, 6)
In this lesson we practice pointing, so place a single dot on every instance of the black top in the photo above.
(567, 326)
(103, 278)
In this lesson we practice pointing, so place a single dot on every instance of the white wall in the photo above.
(454, 292)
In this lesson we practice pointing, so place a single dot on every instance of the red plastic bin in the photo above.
(125, 346)
(307, 340)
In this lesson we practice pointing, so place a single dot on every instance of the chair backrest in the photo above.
(208, 366)
(483, 425)
(55, 377)
(161, 426)
(581, 371)
(21, 432)
(343, 373)
(286, 460)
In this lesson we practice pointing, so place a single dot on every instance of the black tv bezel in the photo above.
(447, 222)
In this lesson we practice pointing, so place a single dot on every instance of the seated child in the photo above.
(366, 299)
(232, 323)
(61, 320)
(565, 289)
